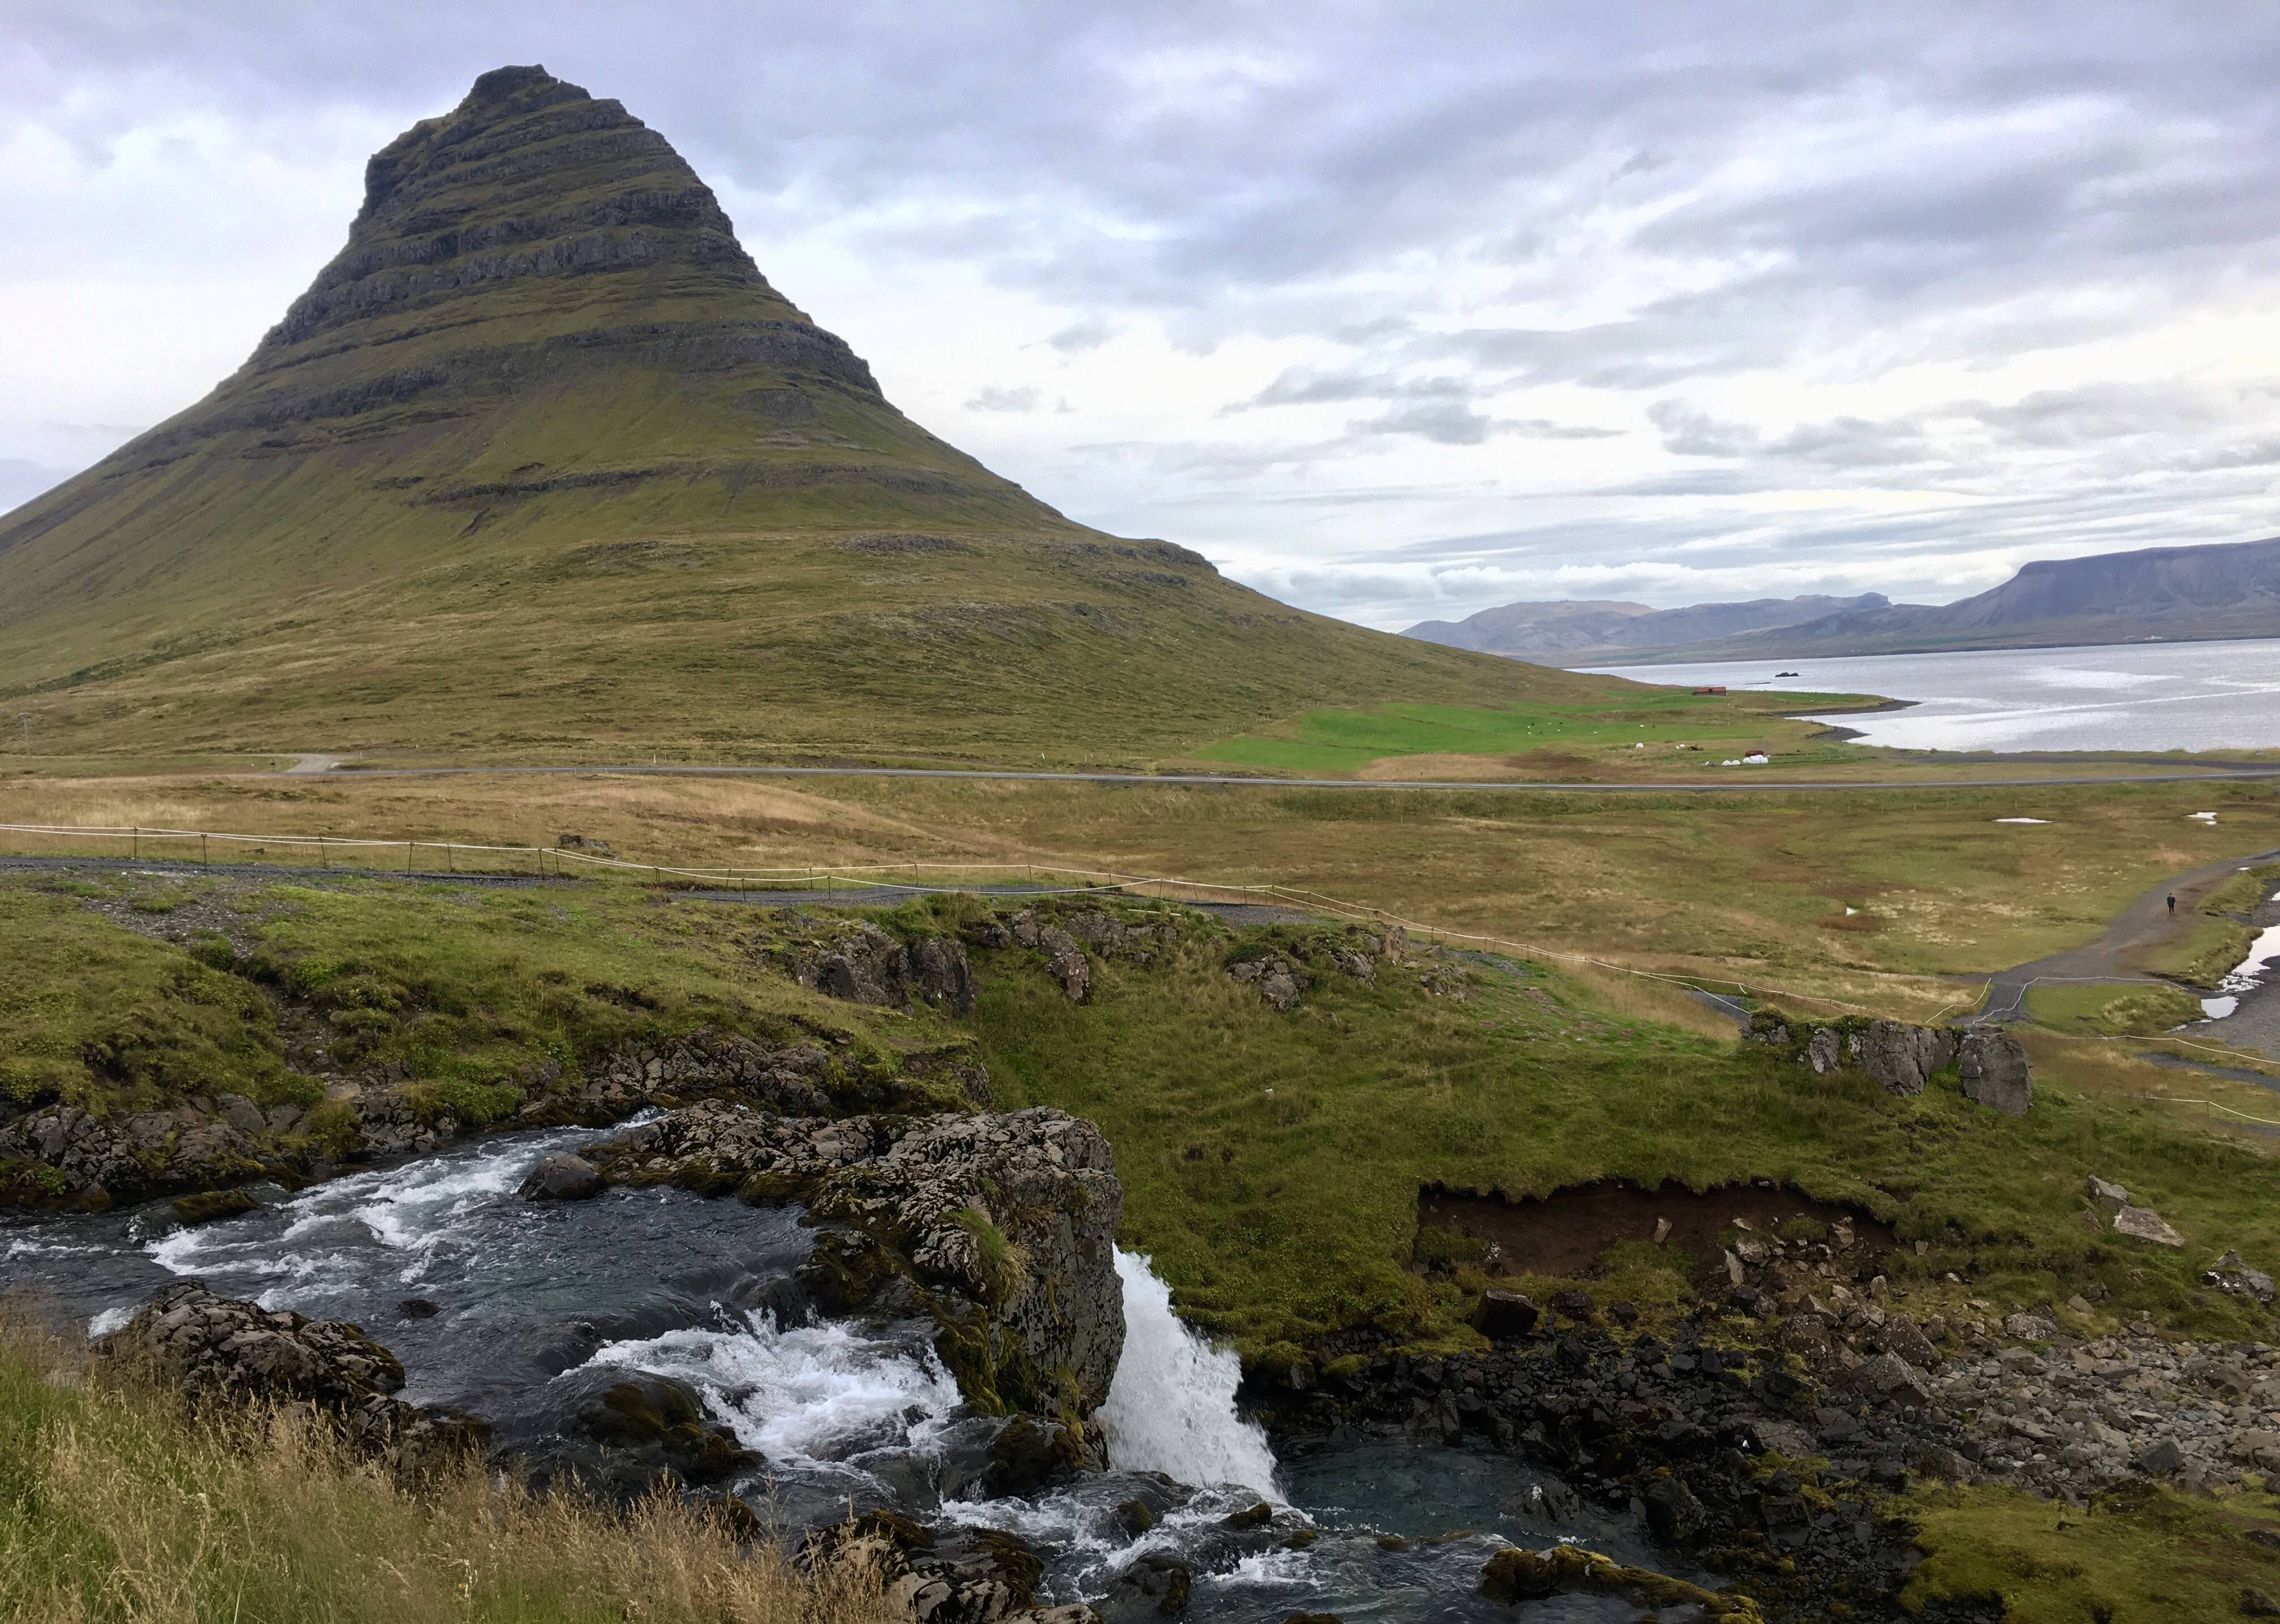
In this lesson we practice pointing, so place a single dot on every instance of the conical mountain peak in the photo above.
(528, 178)
(541, 464)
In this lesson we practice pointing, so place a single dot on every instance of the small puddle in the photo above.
(2247, 976)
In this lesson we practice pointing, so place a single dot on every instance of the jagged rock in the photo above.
(561, 1176)
(218, 1347)
(2104, 1196)
(1893, 1378)
(92, 1162)
(208, 1205)
(800, 1080)
(653, 1429)
(1031, 1454)
(1154, 1586)
(2162, 1460)
(1824, 1052)
(1901, 1057)
(1504, 1315)
(1768, 1029)
(2232, 1275)
(1995, 1071)
(2030, 1327)
(1104, 933)
(2144, 1224)
(211, 1343)
(1672, 1510)
(1066, 962)
(1003, 1226)
(865, 964)
(241, 1114)
(1513, 1576)
(941, 975)
(1280, 981)
(957, 1575)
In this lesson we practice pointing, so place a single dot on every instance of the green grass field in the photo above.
(1324, 743)
(2117, 1011)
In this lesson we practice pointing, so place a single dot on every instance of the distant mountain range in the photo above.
(2163, 594)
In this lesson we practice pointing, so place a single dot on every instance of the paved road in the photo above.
(2145, 923)
(1742, 780)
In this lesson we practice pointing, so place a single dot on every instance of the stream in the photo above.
(537, 1309)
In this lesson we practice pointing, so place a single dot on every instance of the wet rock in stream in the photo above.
(1000, 1228)
(220, 1348)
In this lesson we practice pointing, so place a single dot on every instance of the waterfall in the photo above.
(1171, 1407)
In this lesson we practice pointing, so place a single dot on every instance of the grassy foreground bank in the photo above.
(115, 1508)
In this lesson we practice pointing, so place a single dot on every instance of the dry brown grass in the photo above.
(1748, 889)
(115, 1508)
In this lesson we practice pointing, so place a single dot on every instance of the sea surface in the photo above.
(2120, 697)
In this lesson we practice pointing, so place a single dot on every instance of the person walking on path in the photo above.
(2173, 903)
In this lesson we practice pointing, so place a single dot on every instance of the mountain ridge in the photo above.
(542, 464)
(2216, 590)
(1584, 630)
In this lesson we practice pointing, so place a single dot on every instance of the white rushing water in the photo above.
(806, 1393)
(1171, 1408)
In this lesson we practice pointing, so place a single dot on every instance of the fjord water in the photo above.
(2126, 697)
(540, 1308)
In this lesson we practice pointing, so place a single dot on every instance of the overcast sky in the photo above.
(1395, 312)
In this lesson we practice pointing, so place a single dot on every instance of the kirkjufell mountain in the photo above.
(541, 465)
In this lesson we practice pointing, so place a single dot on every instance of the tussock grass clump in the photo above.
(116, 1508)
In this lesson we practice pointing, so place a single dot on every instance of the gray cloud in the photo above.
(993, 398)
(1748, 228)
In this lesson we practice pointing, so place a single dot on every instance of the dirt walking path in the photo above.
(2116, 956)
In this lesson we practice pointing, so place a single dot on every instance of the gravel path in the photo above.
(2145, 924)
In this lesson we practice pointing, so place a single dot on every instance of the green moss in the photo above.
(1001, 1268)
(2139, 1555)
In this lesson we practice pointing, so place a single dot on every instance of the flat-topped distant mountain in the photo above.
(2176, 594)
(1586, 633)
(541, 465)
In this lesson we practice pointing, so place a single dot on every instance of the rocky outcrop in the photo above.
(950, 1575)
(63, 1155)
(1280, 981)
(1991, 1067)
(218, 1347)
(1995, 1070)
(1286, 968)
(865, 964)
(1001, 1228)
(1903, 1058)
(1065, 958)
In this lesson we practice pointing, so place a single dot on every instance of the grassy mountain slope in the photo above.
(541, 465)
